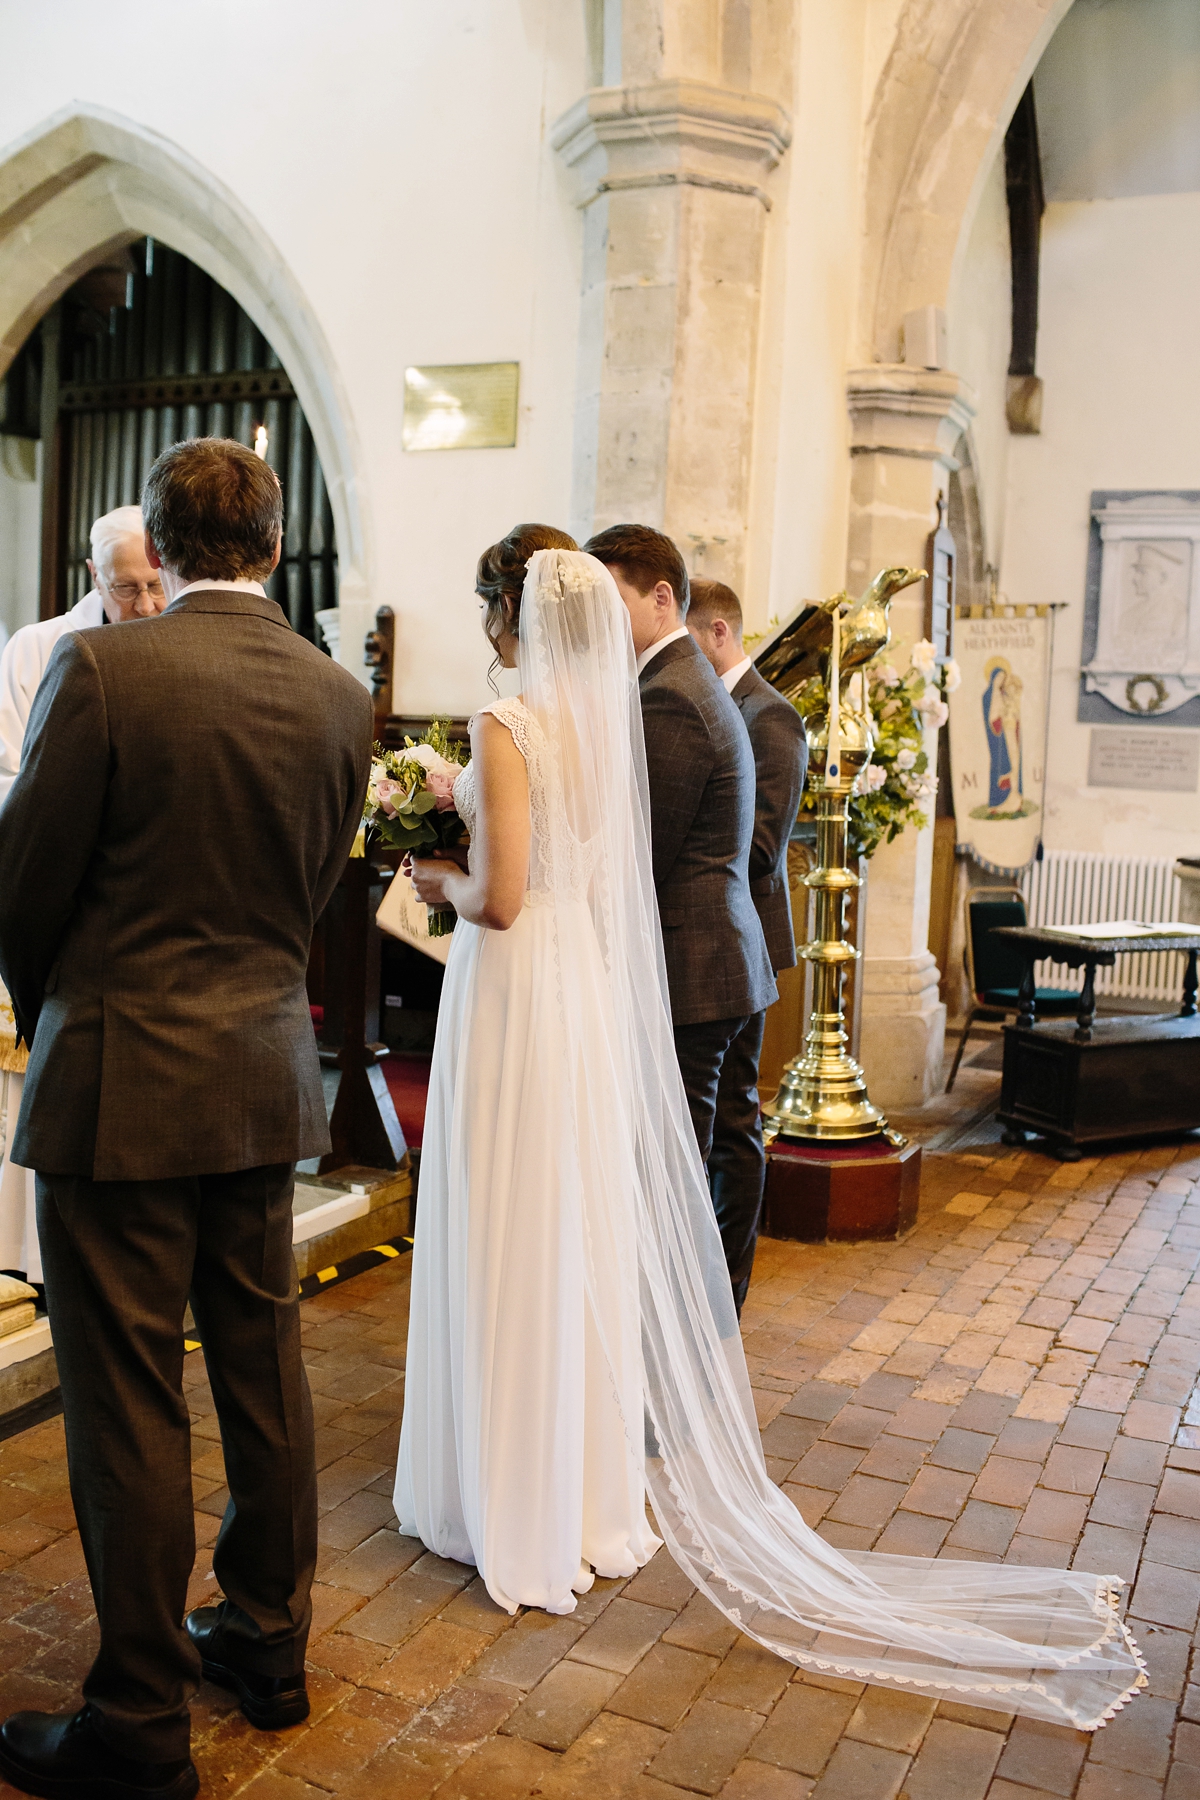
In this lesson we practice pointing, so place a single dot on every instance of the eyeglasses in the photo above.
(130, 590)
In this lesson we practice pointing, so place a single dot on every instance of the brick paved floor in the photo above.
(1010, 1383)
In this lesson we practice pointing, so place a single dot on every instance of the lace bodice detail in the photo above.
(564, 873)
(512, 714)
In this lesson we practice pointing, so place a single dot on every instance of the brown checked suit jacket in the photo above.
(701, 776)
(781, 763)
(189, 792)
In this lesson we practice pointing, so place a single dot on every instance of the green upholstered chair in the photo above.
(995, 966)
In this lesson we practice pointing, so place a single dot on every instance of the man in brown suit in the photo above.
(736, 1163)
(189, 792)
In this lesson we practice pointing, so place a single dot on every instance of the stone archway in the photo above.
(942, 105)
(954, 74)
(88, 179)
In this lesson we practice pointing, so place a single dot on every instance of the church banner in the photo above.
(998, 722)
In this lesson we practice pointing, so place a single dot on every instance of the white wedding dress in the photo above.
(521, 1450)
(573, 1346)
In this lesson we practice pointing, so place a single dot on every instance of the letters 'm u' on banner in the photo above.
(998, 719)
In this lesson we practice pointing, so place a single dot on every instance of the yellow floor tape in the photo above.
(338, 1272)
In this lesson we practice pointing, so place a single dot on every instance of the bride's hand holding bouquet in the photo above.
(428, 875)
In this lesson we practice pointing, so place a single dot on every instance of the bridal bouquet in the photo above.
(410, 801)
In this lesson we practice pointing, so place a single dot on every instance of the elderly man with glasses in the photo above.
(125, 587)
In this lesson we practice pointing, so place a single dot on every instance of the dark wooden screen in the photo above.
(1026, 205)
(179, 359)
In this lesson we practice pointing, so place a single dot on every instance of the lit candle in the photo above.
(260, 442)
(833, 748)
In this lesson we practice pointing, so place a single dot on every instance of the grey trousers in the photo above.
(121, 1259)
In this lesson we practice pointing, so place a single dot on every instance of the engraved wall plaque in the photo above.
(1162, 762)
(461, 406)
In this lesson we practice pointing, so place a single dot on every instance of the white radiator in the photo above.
(1081, 887)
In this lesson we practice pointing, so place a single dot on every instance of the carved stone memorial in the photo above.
(1142, 636)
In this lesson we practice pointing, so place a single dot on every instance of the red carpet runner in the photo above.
(407, 1075)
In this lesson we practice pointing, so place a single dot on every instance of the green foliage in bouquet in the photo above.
(897, 780)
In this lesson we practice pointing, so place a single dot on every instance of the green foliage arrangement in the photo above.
(892, 788)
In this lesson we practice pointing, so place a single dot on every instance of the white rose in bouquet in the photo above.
(431, 762)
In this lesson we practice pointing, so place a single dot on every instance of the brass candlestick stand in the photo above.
(822, 1095)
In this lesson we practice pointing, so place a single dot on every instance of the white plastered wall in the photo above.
(800, 490)
(1119, 353)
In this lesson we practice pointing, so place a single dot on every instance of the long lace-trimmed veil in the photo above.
(1045, 1642)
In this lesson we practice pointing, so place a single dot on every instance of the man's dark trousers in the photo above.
(121, 1259)
(737, 1166)
(719, 1064)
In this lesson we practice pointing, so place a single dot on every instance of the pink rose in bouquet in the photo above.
(384, 790)
(440, 783)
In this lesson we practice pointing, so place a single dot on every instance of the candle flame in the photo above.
(260, 442)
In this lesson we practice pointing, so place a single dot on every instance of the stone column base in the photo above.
(903, 1030)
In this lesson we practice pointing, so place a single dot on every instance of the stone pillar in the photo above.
(905, 424)
(671, 178)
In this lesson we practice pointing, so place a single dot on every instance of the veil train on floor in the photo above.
(1045, 1642)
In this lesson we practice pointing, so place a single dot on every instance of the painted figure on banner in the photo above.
(998, 735)
(1002, 722)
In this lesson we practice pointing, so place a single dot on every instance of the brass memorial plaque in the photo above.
(461, 406)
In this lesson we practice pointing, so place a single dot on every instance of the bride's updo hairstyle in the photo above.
(500, 575)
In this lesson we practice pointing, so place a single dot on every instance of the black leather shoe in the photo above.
(271, 1702)
(63, 1757)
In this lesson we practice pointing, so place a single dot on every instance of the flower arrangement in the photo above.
(892, 787)
(410, 801)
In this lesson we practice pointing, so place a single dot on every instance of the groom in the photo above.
(780, 750)
(701, 776)
(190, 789)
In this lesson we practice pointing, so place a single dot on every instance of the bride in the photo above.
(573, 1348)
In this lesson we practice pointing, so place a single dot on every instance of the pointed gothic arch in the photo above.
(87, 180)
(956, 70)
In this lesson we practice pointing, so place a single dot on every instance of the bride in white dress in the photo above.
(522, 1447)
(573, 1347)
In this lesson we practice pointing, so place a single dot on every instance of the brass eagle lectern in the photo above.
(822, 1095)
